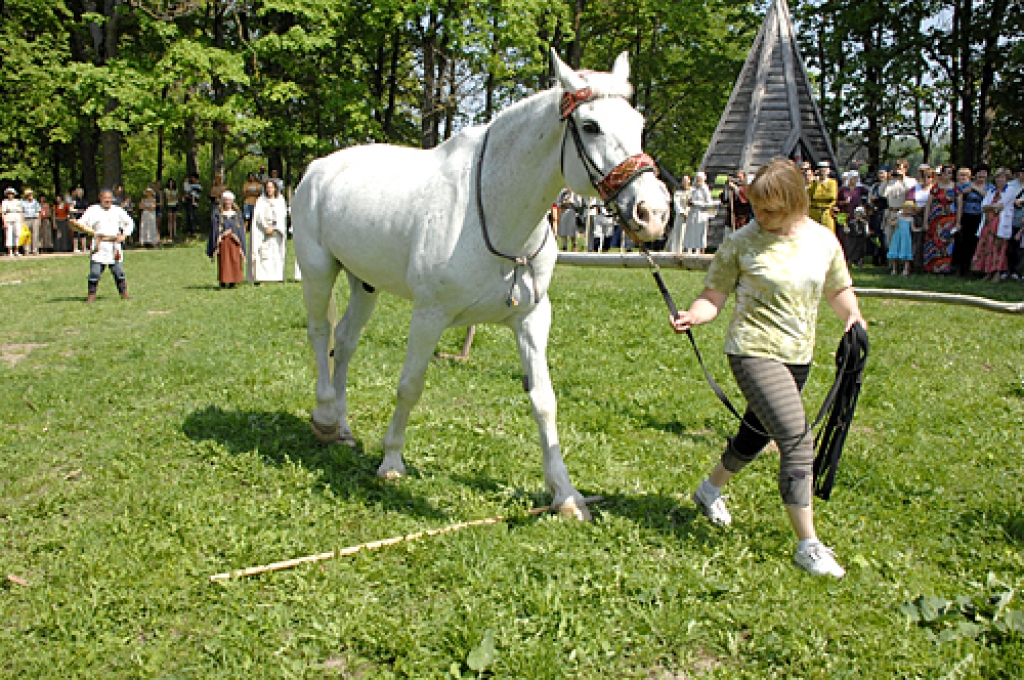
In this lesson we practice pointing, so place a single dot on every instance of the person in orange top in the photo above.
(62, 232)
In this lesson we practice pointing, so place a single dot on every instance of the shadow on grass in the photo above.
(668, 514)
(69, 298)
(712, 437)
(281, 437)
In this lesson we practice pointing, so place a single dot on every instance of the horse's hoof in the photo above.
(571, 509)
(346, 438)
(390, 475)
(325, 433)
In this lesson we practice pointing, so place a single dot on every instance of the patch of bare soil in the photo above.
(15, 352)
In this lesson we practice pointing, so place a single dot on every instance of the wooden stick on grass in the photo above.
(373, 545)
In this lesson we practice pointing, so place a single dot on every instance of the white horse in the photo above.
(459, 230)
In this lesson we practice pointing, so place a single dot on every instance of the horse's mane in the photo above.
(603, 85)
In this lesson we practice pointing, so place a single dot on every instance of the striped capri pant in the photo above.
(772, 390)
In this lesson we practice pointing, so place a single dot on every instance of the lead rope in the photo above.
(520, 260)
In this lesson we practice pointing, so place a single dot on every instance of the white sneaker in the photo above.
(819, 560)
(714, 510)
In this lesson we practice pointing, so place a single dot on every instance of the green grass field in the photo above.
(149, 444)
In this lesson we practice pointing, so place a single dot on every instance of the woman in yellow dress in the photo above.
(823, 193)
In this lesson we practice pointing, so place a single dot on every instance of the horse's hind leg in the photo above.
(361, 304)
(424, 332)
(318, 278)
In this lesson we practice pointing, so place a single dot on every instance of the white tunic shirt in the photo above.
(1005, 225)
(110, 222)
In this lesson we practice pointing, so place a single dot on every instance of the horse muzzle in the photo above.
(645, 208)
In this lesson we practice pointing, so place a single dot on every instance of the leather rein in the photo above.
(608, 185)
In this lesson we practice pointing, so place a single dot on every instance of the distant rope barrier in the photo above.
(701, 262)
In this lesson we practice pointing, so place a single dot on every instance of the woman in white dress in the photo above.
(13, 218)
(701, 208)
(568, 204)
(149, 236)
(269, 235)
(681, 203)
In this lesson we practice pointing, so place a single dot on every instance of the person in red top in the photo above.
(62, 232)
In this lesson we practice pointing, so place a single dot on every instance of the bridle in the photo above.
(608, 185)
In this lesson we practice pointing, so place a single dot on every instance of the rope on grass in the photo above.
(942, 298)
(701, 262)
(374, 545)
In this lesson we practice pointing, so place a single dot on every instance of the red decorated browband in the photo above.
(572, 100)
(623, 173)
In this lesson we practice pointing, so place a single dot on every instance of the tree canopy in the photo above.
(126, 91)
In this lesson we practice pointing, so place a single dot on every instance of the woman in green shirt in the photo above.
(779, 266)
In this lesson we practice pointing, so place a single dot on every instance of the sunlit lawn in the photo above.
(149, 444)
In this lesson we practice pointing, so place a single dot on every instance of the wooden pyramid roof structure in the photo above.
(771, 111)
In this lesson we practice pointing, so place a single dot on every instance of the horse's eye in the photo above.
(591, 128)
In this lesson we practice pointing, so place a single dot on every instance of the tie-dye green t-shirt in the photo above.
(778, 283)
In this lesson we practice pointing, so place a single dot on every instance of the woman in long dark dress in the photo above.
(227, 241)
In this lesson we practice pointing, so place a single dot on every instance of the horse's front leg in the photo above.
(532, 338)
(424, 333)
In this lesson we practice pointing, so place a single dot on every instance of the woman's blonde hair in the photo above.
(779, 187)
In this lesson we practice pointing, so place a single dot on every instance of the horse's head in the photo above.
(602, 154)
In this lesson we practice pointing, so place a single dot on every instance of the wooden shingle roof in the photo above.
(771, 111)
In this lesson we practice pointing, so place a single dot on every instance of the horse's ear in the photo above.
(569, 79)
(621, 68)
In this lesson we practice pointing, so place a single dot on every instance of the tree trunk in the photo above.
(87, 153)
(990, 56)
(389, 113)
(220, 130)
(873, 139)
(111, 138)
(451, 104)
(191, 152)
(427, 105)
(160, 144)
(576, 46)
(968, 89)
(55, 148)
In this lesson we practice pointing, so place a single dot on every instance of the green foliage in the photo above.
(168, 439)
(297, 79)
(969, 616)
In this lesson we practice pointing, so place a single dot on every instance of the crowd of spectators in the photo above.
(944, 220)
(165, 213)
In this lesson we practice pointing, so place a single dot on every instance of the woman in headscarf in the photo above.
(149, 236)
(994, 236)
(269, 235)
(568, 204)
(681, 203)
(702, 206)
(227, 241)
(13, 217)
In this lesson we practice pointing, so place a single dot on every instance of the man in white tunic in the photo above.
(110, 226)
(269, 235)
